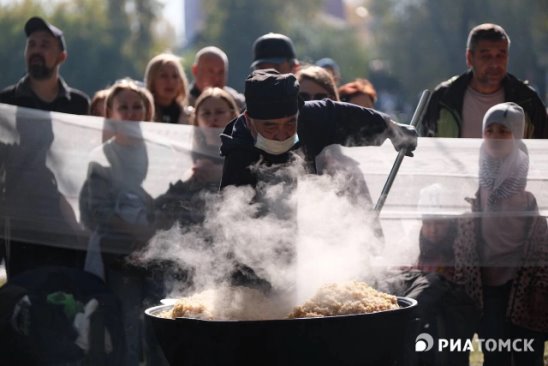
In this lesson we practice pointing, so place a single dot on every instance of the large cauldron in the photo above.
(383, 338)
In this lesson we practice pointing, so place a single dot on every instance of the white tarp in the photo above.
(44, 159)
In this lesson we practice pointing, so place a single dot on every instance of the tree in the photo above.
(106, 41)
(233, 25)
(424, 41)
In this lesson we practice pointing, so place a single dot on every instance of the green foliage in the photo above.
(424, 41)
(411, 44)
(316, 40)
(243, 21)
(235, 29)
(106, 40)
(13, 39)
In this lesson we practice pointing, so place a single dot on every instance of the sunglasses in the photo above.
(347, 97)
(306, 96)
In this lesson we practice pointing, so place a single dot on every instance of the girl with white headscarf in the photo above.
(501, 255)
(504, 164)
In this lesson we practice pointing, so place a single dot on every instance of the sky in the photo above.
(173, 12)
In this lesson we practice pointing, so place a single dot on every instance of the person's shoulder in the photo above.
(234, 126)
(236, 136)
(316, 111)
(327, 110)
(319, 106)
(522, 86)
(531, 200)
(7, 94)
(78, 101)
(450, 92)
(514, 80)
(8, 89)
(452, 82)
(78, 95)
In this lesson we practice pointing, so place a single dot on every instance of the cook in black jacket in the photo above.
(278, 124)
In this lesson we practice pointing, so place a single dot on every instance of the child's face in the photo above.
(214, 112)
(435, 230)
(128, 106)
(499, 140)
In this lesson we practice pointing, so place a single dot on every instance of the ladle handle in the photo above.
(417, 117)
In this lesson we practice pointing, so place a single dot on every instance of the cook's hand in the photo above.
(403, 137)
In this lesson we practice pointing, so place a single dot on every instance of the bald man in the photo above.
(210, 69)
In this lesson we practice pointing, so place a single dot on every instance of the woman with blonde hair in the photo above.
(126, 100)
(117, 210)
(166, 80)
(129, 101)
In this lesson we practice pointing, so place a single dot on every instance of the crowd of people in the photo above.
(487, 274)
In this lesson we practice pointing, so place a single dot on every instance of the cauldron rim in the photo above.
(407, 302)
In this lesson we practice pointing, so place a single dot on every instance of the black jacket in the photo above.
(445, 107)
(320, 123)
(69, 100)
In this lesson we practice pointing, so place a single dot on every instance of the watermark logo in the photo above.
(424, 342)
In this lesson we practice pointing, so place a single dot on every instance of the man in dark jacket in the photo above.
(457, 106)
(42, 87)
(278, 124)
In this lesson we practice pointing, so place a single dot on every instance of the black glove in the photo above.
(403, 137)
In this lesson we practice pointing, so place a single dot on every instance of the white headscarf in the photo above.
(503, 177)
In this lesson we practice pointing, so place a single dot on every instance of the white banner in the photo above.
(45, 159)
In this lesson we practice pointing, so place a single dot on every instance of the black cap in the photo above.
(271, 95)
(273, 48)
(38, 24)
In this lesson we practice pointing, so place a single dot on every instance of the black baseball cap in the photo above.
(272, 48)
(38, 24)
(269, 94)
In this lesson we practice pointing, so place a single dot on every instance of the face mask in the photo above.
(275, 147)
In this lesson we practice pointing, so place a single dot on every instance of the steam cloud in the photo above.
(298, 232)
